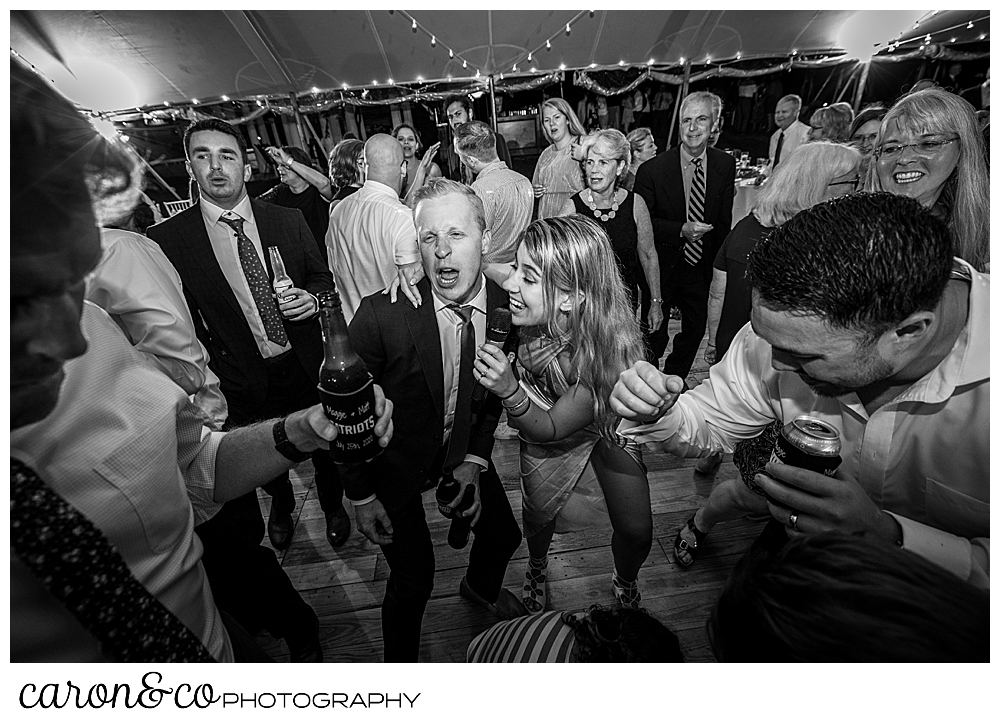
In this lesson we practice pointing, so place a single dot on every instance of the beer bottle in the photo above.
(446, 492)
(346, 388)
(282, 281)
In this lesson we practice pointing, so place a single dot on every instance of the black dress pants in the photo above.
(247, 580)
(686, 287)
(496, 537)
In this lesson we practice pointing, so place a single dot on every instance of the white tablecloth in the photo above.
(746, 197)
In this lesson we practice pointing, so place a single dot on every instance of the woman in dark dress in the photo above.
(622, 214)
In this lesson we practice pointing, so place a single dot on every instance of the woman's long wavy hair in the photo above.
(966, 193)
(344, 162)
(574, 256)
(573, 124)
(802, 182)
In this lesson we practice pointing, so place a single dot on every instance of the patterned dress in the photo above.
(561, 176)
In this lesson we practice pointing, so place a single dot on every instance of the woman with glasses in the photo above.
(831, 123)
(930, 148)
(557, 173)
(814, 173)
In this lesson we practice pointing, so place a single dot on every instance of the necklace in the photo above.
(597, 211)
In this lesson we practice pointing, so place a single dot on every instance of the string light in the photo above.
(548, 45)
(414, 26)
(225, 97)
(464, 63)
(567, 29)
(969, 26)
(194, 101)
(529, 57)
(451, 53)
(621, 62)
(562, 66)
(738, 55)
(434, 41)
(477, 72)
(390, 82)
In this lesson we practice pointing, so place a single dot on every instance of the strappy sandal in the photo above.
(683, 550)
(535, 589)
(626, 593)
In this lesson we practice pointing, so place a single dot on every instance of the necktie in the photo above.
(80, 567)
(696, 211)
(777, 150)
(260, 286)
(463, 406)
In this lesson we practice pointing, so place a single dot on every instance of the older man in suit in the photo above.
(266, 353)
(689, 191)
(422, 356)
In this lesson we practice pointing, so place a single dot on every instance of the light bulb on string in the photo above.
(465, 64)
(451, 53)
(529, 57)
(548, 45)
(414, 26)
(226, 97)
(969, 26)
(567, 29)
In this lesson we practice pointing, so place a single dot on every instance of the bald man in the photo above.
(371, 232)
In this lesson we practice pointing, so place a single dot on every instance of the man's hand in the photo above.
(492, 369)
(823, 503)
(373, 521)
(655, 317)
(538, 189)
(693, 230)
(710, 354)
(280, 156)
(407, 278)
(642, 393)
(466, 474)
(309, 429)
(296, 304)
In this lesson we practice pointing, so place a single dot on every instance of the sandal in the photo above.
(683, 550)
(535, 589)
(626, 593)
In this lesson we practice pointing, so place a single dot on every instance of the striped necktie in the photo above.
(260, 286)
(696, 211)
(84, 571)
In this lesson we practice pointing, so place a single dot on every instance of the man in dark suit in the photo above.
(422, 356)
(267, 356)
(689, 191)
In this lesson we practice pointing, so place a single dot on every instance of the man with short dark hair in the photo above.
(507, 196)
(423, 358)
(303, 187)
(689, 191)
(864, 320)
(267, 354)
(458, 110)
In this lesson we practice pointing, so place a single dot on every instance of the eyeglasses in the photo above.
(921, 148)
(852, 182)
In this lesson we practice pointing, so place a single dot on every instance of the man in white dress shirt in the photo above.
(791, 132)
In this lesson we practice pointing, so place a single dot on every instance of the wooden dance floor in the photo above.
(345, 586)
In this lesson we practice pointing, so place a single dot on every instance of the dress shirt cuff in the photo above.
(365, 501)
(949, 551)
(478, 460)
(661, 430)
(199, 478)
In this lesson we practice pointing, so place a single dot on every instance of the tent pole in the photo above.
(493, 106)
(862, 82)
(677, 105)
(158, 177)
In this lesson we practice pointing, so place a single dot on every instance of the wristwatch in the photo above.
(286, 448)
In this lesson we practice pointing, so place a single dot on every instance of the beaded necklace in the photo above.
(597, 212)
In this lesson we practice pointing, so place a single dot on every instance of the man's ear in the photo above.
(187, 167)
(247, 172)
(914, 327)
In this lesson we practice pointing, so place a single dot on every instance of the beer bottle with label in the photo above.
(282, 281)
(346, 388)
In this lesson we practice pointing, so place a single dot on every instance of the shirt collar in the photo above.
(380, 188)
(491, 166)
(212, 213)
(687, 158)
(478, 302)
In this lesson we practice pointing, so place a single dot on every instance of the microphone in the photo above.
(496, 334)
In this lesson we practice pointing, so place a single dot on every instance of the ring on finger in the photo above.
(792, 520)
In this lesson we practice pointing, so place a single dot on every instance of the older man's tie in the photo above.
(696, 211)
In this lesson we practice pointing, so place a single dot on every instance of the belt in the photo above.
(280, 359)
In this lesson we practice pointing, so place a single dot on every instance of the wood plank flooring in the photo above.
(345, 586)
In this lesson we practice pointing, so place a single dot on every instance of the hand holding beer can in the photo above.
(808, 443)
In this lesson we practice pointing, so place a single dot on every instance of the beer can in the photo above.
(808, 443)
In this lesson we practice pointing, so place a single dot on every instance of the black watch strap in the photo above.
(286, 448)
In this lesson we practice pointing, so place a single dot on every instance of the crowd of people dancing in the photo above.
(157, 381)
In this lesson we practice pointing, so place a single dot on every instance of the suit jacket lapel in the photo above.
(422, 323)
(198, 248)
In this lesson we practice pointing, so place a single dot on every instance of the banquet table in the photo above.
(746, 197)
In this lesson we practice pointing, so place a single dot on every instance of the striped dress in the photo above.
(543, 638)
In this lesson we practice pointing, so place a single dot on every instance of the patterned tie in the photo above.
(696, 211)
(777, 150)
(80, 567)
(260, 285)
(460, 426)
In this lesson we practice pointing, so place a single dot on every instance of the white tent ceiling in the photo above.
(125, 58)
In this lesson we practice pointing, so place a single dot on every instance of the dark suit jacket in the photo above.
(660, 182)
(402, 349)
(218, 318)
